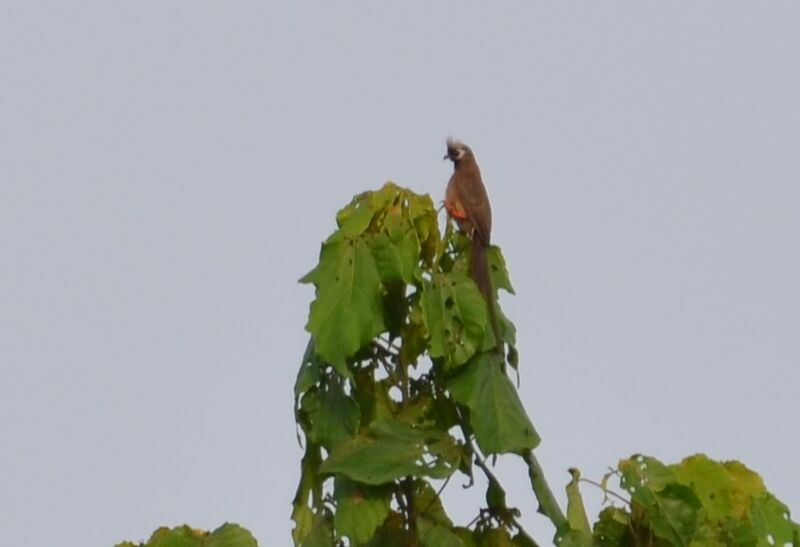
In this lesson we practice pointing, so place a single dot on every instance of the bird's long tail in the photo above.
(480, 272)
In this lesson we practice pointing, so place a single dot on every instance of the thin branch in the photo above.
(605, 490)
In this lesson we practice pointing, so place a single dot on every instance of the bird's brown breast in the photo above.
(466, 199)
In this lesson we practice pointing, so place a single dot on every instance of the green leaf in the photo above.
(673, 508)
(347, 312)
(391, 534)
(574, 538)
(429, 505)
(434, 535)
(576, 512)
(414, 333)
(676, 518)
(498, 271)
(612, 527)
(360, 509)
(771, 522)
(396, 250)
(466, 536)
(372, 397)
(455, 313)
(334, 415)
(710, 481)
(388, 450)
(309, 483)
(353, 221)
(320, 535)
(230, 535)
(496, 412)
(640, 469)
(180, 536)
(523, 540)
(227, 535)
(746, 485)
(494, 537)
(303, 518)
(309, 373)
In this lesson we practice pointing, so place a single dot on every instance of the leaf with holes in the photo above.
(674, 509)
(455, 313)
(771, 521)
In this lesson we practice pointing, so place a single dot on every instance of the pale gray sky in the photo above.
(168, 169)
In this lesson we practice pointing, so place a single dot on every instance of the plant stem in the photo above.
(547, 502)
(407, 484)
(411, 511)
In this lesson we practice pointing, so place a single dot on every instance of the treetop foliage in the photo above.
(401, 388)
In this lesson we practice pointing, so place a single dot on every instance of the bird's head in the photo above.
(457, 151)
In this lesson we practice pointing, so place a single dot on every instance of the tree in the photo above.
(401, 387)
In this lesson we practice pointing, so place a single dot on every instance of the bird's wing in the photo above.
(475, 202)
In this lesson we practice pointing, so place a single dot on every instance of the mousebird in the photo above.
(467, 202)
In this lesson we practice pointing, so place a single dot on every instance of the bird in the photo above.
(467, 202)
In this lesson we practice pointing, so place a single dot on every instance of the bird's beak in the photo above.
(446, 157)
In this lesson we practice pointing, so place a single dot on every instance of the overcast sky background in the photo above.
(168, 170)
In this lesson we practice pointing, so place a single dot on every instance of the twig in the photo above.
(605, 490)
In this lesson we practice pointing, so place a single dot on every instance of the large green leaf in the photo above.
(360, 509)
(455, 313)
(347, 312)
(389, 449)
(496, 412)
